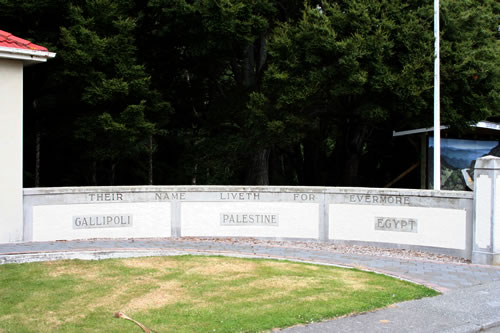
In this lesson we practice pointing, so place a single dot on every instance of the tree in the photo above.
(470, 61)
(35, 20)
(347, 70)
(234, 91)
(216, 54)
(112, 90)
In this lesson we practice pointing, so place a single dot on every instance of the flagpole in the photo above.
(437, 111)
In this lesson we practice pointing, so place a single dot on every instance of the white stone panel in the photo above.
(55, 222)
(437, 227)
(483, 211)
(295, 220)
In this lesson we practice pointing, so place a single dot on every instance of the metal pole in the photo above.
(437, 120)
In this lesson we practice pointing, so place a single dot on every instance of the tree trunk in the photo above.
(312, 162)
(262, 54)
(355, 138)
(195, 173)
(249, 67)
(37, 144)
(93, 179)
(351, 169)
(298, 162)
(113, 173)
(37, 157)
(150, 165)
(253, 62)
(258, 173)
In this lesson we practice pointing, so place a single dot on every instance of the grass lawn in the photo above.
(187, 294)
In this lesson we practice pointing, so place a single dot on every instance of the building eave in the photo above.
(27, 56)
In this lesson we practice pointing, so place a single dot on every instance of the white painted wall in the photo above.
(437, 227)
(55, 222)
(11, 151)
(296, 220)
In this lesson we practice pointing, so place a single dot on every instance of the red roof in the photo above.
(9, 40)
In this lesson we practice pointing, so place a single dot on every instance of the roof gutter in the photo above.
(28, 56)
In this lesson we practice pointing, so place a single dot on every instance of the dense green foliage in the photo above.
(245, 92)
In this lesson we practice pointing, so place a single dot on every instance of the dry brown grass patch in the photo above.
(122, 296)
(5, 318)
(168, 292)
(286, 283)
(218, 266)
(151, 263)
(286, 265)
(353, 281)
(85, 272)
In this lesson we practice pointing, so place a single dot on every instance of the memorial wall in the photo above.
(440, 222)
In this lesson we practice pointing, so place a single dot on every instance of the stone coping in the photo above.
(263, 189)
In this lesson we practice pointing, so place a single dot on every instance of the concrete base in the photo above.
(485, 258)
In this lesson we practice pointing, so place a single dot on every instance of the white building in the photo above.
(15, 53)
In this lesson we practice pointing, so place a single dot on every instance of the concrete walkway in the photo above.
(470, 300)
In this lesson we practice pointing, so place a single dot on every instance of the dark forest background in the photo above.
(250, 92)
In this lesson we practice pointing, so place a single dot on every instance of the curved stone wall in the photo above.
(415, 219)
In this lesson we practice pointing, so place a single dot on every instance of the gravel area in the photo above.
(337, 248)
